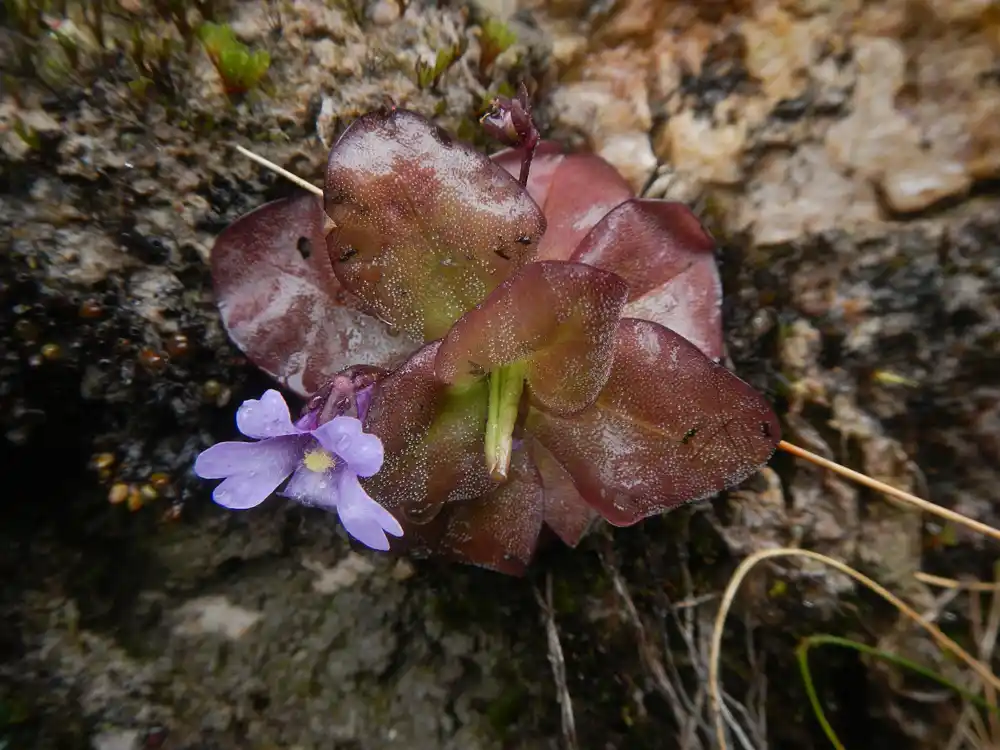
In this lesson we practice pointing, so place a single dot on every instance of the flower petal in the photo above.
(251, 488)
(344, 437)
(317, 488)
(266, 417)
(225, 459)
(364, 519)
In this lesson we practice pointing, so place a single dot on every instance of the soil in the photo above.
(845, 154)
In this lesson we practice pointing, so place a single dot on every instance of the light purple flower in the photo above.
(324, 463)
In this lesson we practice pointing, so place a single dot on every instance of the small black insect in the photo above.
(689, 435)
(347, 253)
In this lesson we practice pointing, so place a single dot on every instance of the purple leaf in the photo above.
(565, 511)
(575, 191)
(560, 317)
(666, 256)
(499, 531)
(670, 427)
(433, 438)
(287, 312)
(426, 225)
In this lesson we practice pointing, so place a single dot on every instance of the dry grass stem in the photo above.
(558, 663)
(951, 583)
(888, 489)
(747, 565)
(280, 170)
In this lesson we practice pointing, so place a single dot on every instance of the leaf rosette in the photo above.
(550, 352)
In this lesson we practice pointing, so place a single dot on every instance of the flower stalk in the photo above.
(506, 387)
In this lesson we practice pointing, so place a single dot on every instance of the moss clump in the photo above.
(240, 68)
(429, 76)
(494, 39)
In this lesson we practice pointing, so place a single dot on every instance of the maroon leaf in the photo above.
(433, 437)
(670, 427)
(499, 531)
(286, 311)
(561, 317)
(426, 225)
(666, 256)
(575, 191)
(565, 511)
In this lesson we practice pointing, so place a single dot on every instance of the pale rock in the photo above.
(632, 155)
(780, 50)
(84, 258)
(39, 121)
(924, 183)
(501, 9)
(957, 11)
(710, 153)
(384, 13)
(668, 184)
(803, 193)
(567, 47)
(872, 137)
(983, 156)
(215, 615)
(251, 21)
(593, 107)
(635, 20)
(801, 346)
(151, 290)
(117, 739)
(809, 7)
(339, 58)
(344, 574)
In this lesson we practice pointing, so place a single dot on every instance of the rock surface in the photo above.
(846, 155)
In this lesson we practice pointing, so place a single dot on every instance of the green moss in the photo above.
(240, 68)
(27, 134)
(495, 39)
(429, 76)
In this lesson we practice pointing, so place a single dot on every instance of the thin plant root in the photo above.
(744, 568)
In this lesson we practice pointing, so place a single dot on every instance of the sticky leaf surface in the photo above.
(575, 191)
(433, 440)
(670, 427)
(667, 258)
(559, 317)
(426, 225)
(282, 305)
(564, 509)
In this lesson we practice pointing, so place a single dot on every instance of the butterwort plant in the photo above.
(530, 346)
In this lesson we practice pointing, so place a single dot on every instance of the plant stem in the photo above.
(506, 386)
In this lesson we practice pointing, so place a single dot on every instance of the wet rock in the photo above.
(813, 136)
